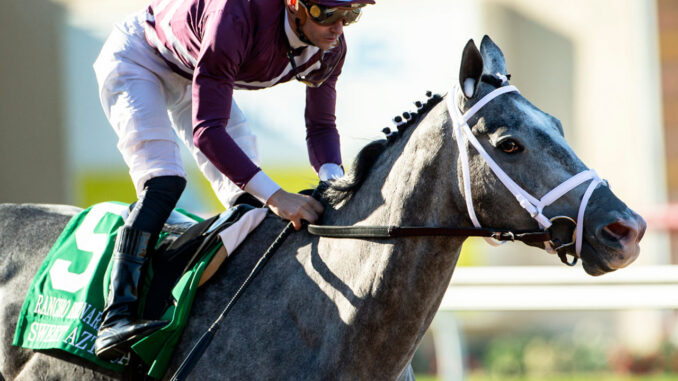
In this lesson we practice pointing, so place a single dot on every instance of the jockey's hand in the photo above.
(295, 207)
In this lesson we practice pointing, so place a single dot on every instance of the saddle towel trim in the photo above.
(231, 238)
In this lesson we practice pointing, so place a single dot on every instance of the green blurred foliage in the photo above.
(575, 377)
(563, 356)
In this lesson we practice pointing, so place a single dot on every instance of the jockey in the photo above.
(171, 69)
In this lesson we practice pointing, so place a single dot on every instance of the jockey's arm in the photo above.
(322, 137)
(224, 47)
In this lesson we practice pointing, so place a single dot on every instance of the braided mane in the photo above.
(343, 189)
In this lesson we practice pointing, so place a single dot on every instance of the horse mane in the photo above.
(343, 189)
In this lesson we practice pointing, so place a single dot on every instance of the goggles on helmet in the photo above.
(325, 16)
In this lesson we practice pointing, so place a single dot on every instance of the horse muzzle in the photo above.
(623, 237)
(614, 244)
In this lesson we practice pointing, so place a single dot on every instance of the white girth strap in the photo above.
(531, 204)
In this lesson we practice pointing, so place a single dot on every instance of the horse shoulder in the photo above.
(278, 320)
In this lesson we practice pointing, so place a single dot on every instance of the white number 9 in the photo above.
(86, 240)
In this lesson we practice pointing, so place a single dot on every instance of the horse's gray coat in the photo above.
(331, 308)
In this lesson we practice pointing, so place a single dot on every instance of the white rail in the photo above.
(543, 288)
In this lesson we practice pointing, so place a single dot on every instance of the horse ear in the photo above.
(492, 56)
(471, 69)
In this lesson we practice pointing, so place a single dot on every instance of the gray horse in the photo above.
(354, 309)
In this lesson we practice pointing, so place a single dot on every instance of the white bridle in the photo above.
(531, 204)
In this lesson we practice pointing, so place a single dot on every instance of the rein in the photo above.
(367, 232)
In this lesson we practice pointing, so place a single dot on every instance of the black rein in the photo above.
(413, 231)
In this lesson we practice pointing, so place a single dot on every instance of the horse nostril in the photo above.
(617, 230)
(623, 231)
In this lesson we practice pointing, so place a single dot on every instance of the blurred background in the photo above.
(608, 69)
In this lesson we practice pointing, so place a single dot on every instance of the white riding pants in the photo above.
(144, 100)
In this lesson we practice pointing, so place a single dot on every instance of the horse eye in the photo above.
(509, 146)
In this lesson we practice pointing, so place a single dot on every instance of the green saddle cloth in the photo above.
(64, 304)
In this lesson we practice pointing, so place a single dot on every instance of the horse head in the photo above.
(529, 147)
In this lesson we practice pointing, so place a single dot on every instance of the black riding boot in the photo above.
(121, 328)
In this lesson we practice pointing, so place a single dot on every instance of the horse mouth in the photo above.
(592, 262)
(596, 268)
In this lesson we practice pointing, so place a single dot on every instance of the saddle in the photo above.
(183, 245)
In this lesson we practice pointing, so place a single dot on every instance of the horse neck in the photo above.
(404, 278)
(414, 182)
